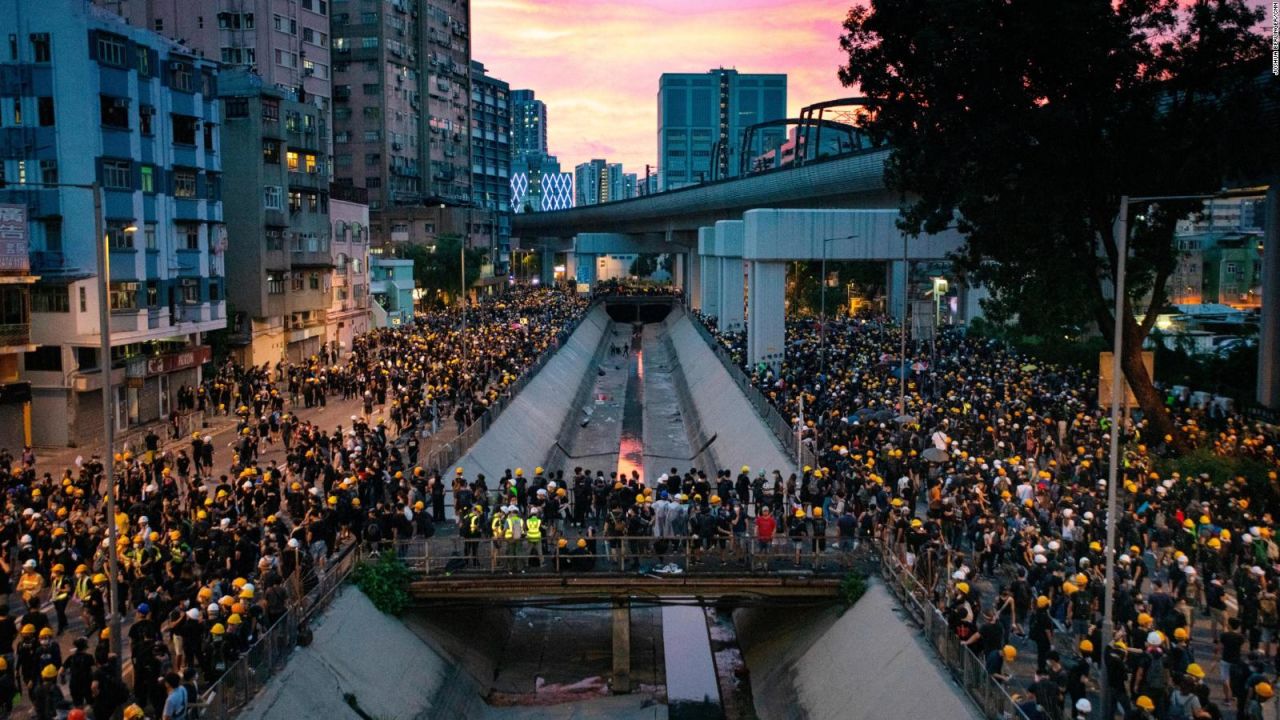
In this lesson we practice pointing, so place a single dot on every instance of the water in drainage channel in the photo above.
(631, 446)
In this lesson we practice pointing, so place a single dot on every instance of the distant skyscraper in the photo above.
(528, 124)
(491, 159)
(701, 117)
(591, 182)
(537, 185)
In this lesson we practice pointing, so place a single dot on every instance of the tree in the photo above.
(644, 265)
(1022, 123)
(438, 267)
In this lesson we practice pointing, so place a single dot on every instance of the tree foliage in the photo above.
(644, 265)
(385, 581)
(1023, 122)
(439, 267)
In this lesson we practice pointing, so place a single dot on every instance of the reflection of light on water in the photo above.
(640, 363)
(630, 452)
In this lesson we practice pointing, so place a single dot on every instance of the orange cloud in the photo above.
(596, 62)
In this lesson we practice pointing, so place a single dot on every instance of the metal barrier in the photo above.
(227, 696)
(604, 554)
(990, 695)
(451, 452)
(781, 428)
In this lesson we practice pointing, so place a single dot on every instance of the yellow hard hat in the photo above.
(746, 468)
(1070, 588)
(28, 629)
(1010, 653)
(1145, 703)
(582, 542)
(519, 472)
(234, 619)
(217, 629)
(1042, 601)
(1095, 546)
(1195, 671)
(562, 543)
(1144, 619)
(49, 672)
(1086, 646)
(1264, 690)
(46, 633)
(1180, 634)
(963, 587)
(817, 512)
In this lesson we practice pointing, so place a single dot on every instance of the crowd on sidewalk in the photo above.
(991, 486)
(215, 544)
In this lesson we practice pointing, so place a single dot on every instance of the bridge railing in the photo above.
(434, 557)
(967, 668)
(764, 408)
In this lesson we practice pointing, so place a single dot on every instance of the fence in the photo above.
(781, 428)
(243, 679)
(969, 670)
(645, 553)
(451, 451)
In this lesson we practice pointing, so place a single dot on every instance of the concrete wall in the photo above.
(741, 437)
(864, 664)
(527, 430)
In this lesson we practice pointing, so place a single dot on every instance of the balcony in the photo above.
(44, 261)
(15, 336)
(310, 258)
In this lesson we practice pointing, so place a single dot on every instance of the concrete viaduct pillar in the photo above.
(1269, 333)
(766, 298)
(895, 281)
(732, 276)
(709, 287)
(621, 683)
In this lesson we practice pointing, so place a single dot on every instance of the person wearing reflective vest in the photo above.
(514, 536)
(60, 592)
(533, 529)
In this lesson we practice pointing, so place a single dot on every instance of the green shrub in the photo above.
(852, 588)
(1220, 469)
(386, 582)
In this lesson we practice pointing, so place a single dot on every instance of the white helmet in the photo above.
(1083, 705)
(213, 609)
(1153, 638)
(194, 614)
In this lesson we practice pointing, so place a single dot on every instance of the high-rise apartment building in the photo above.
(277, 213)
(537, 185)
(701, 117)
(591, 183)
(528, 124)
(402, 113)
(491, 164)
(286, 42)
(349, 313)
(87, 98)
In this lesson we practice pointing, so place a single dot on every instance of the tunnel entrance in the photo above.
(627, 311)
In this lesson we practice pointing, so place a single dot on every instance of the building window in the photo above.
(298, 282)
(309, 162)
(271, 152)
(41, 48)
(50, 299)
(44, 111)
(286, 59)
(275, 240)
(116, 174)
(295, 201)
(184, 183)
(315, 281)
(124, 296)
(237, 107)
(371, 88)
(189, 236)
(146, 115)
(270, 109)
(180, 76)
(209, 135)
(120, 234)
(84, 300)
(212, 186)
(49, 171)
(292, 158)
(184, 130)
(149, 234)
(286, 25)
(144, 62)
(111, 49)
(316, 6)
(190, 291)
(153, 293)
(271, 197)
(148, 179)
(46, 358)
(114, 111)
(315, 37)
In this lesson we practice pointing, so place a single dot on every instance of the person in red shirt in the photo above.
(766, 525)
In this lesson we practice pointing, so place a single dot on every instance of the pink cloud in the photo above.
(596, 62)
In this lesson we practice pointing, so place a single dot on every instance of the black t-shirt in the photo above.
(992, 637)
(1232, 641)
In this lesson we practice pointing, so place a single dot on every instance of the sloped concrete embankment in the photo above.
(389, 670)
(864, 664)
(719, 409)
(528, 429)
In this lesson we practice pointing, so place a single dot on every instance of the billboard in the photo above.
(1104, 378)
(13, 239)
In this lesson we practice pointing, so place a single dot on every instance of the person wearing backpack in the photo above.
(1151, 678)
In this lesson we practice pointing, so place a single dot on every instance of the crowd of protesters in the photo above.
(213, 544)
(990, 486)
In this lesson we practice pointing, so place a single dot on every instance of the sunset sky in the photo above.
(595, 63)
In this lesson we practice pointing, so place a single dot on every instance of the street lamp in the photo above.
(1117, 394)
(108, 414)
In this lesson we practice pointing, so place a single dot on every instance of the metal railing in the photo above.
(242, 681)
(764, 408)
(969, 670)
(738, 555)
(450, 452)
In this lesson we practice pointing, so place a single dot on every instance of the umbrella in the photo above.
(899, 371)
(904, 419)
(934, 455)
(864, 412)
(1028, 367)
(882, 416)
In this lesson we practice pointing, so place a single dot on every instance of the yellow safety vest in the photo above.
(533, 528)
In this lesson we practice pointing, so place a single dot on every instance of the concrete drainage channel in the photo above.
(674, 405)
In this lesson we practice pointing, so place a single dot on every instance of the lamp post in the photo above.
(108, 419)
(1107, 709)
